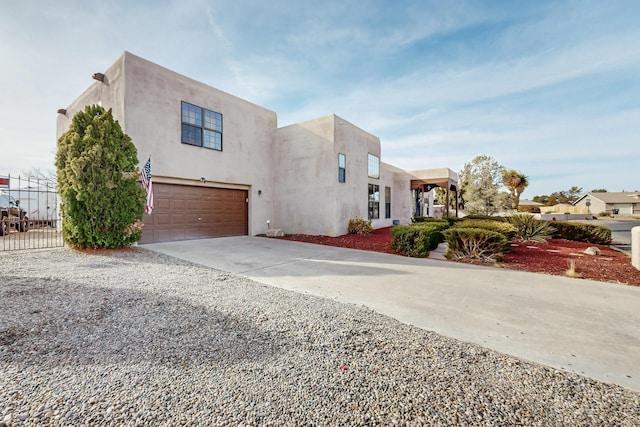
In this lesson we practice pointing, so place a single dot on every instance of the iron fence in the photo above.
(29, 214)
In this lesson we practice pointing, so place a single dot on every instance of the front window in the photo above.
(387, 202)
(342, 168)
(201, 127)
(373, 166)
(374, 201)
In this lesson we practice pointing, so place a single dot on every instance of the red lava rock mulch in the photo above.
(555, 256)
(378, 241)
(551, 258)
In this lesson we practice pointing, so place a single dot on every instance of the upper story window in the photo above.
(342, 168)
(373, 166)
(201, 127)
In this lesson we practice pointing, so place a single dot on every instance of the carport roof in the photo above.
(443, 177)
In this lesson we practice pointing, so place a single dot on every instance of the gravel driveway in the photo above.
(138, 338)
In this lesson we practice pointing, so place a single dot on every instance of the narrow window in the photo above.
(342, 168)
(373, 166)
(201, 127)
(374, 201)
(387, 202)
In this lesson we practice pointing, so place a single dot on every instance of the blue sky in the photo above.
(550, 88)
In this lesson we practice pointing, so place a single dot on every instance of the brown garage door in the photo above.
(182, 212)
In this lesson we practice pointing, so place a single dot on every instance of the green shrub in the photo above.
(102, 200)
(508, 230)
(529, 209)
(475, 244)
(530, 229)
(453, 220)
(437, 222)
(416, 241)
(359, 226)
(580, 232)
(605, 213)
(488, 217)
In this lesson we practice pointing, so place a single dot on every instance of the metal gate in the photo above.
(30, 215)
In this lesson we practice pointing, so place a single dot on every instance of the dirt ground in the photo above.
(554, 257)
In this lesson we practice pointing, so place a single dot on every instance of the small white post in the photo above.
(635, 247)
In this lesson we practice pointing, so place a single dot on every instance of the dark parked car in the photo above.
(11, 214)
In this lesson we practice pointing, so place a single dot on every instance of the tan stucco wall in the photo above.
(310, 199)
(295, 168)
(146, 99)
(109, 94)
(401, 205)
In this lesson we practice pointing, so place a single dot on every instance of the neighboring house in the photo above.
(625, 202)
(529, 203)
(221, 166)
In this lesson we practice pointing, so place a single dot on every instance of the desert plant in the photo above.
(571, 271)
(475, 244)
(530, 229)
(605, 213)
(360, 226)
(515, 182)
(102, 201)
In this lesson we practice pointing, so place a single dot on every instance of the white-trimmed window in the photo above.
(342, 168)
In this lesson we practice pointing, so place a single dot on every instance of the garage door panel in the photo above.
(187, 212)
(163, 219)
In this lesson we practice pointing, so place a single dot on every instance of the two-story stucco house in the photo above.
(222, 167)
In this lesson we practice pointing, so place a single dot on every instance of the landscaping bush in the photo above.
(475, 244)
(530, 229)
(605, 213)
(580, 232)
(438, 222)
(488, 217)
(508, 230)
(453, 220)
(102, 200)
(416, 241)
(359, 226)
(529, 209)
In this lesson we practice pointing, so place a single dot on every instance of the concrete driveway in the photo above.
(581, 326)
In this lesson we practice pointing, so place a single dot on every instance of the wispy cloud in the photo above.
(547, 87)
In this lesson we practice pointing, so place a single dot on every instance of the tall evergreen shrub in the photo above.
(97, 168)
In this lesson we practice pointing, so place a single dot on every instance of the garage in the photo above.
(183, 212)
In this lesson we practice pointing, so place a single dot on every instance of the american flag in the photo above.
(147, 185)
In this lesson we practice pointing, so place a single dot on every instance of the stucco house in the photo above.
(624, 202)
(221, 166)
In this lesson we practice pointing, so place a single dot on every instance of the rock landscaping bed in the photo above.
(551, 258)
(136, 338)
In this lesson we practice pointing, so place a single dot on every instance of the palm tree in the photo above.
(515, 182)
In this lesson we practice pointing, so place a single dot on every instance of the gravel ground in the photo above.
(138, 338)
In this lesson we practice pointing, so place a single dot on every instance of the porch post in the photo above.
(447, 205)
